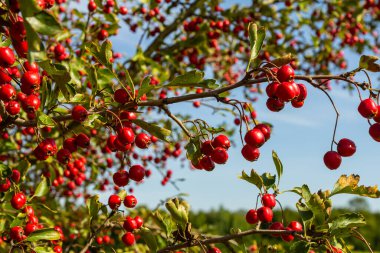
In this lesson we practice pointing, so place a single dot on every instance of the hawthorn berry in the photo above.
(63, 156)
(265, 129)
(374, 131)
(79, 113)
(251, 217)
(121, 178)
(82, 140)
(17, 233)
(287, 91)
(221, 141)
(346, 147)
(114, 201)
(18, 200)
(130, 224)
(275, 105)
(285, 73)
(296, 226)
(126, 135)
(130, 201)
(250, 153)
(268, 200)
(139, 221)
(7, 92)
(207, 147)
(137, 173)
(367, 108)
(142, 140)
(5, 184)
(265, 214)
(287, 237)
(276, 226)
(30, 228)
(255, 138)
(7, 57)
(206, 163)
(332, 160)
(128, 239)
(30, 82)
(219, 155)
(13, 107)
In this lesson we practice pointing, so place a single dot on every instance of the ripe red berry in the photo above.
(206, 148)
(114, 201)
(287, 237)
(367, 108)
(297, 104)
(265, 129)
(214, 250)
(346, 147)
(102, 35)
(276, 226)
(16, 176)
(30, 82)
(7, 92)
(30, 228)
(31, 103)
(139, 221)
(219, 155)
(221, 141)
(70, 145)
(275, 105)
(268, 200)
(296, 226)
(250, 153)
(79, 113)
(374, 131)
(82, 140)
(121, 96)
(91, 6)
(271, 89)
(7, 57)
(130, 224)
(255, 138)
(57, 249)
(128, 239)
(123, 10)
(121, 178)
(285, 73)
(13, 107)
(265, 214)
(63, 156)
(303, 92)
(332, 160)
(5, 184)
(287, 91)
(17, 233)
(137, 173)
(125, 135)
(130, 201)
(206, 163)
(18, 200)
(251, 216)
(142, 140)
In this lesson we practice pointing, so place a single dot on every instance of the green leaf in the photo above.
(278, 164)
(58, 72)
(42, 188)
(149, 239)
(122, 194)
(177, 211)
(43, 250)
(6, 43)
(306, 215)
(268, 180)
(256, 39)
(189, 79)
(349, 185)
(93, 205)
(93, 79)
(130, 83)
(342, 225)
(254, 179)
(153, 129)
(300, 247)
(48, 234)
(44, 120)
(368, 62)
(102, 54)
(193, 150)
(283, 60)
(145, 87)
(44, 23)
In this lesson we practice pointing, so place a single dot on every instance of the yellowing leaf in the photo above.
(350, 185)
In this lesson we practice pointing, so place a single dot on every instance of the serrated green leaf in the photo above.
(256, 38)
(145, 87)
(306, 215)
(44, 120)
(193, 150)
(189, 79)
(278, 164)
(254, 179)
(93, 205)
(368, 62)
(269, 180)
(149, 239)
(58, 72)
(44, 23)
(93, 79)
(129, 82)
(43, 187)
(342, 225)
(43, 250)
(283, 60)
(153, 129)
(300, 247)
(350, 185)
(48, 234)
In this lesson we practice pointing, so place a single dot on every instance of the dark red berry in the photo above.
(265, 214)
(332, 160)
(251, 216)
(346, 147)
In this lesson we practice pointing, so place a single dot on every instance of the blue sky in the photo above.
(300, 137)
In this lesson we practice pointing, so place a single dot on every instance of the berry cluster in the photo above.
(265, 215)
(285, 90)
(345, 148)
(254, 139)
(370, 110)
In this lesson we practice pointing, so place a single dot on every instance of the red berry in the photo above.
(346, 147)
(137, 173)
(255, 138)
(57, 249)
(297, 104)
(206, 148)
(285, 73)
(30, 228)
(13, 107)
(121, 96)
(17, 233)
(139, 221)
(367, 108)
(287, 91)
(18, 201)
(271, 89)
(130, 201)
(142, 140)
(123, 10)
(221, 141)
(265, 214)
(79, 113)
(5, 184)
(30, 82)
(16, 176)
(206, 163)
(82, 140)
(268, 200)
(128, 239)
(114, 201)
(63, 156)
(303, 92)
(70, 145)
(276, 226)
(102, 35)
(121, 178)
(250, 153)
(7, 57)
(7, 92)
(275, 105)
(91, 6)
(296, 226)
(265, 129)
(31, 103)
(251, 216)
(130, 224)
(374, 131)
(219, 155)
(214, 250)
(126, 135)
(332, 160)
(287, 237)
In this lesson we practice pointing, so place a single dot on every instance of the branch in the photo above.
(224, 239)
(166, 110)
